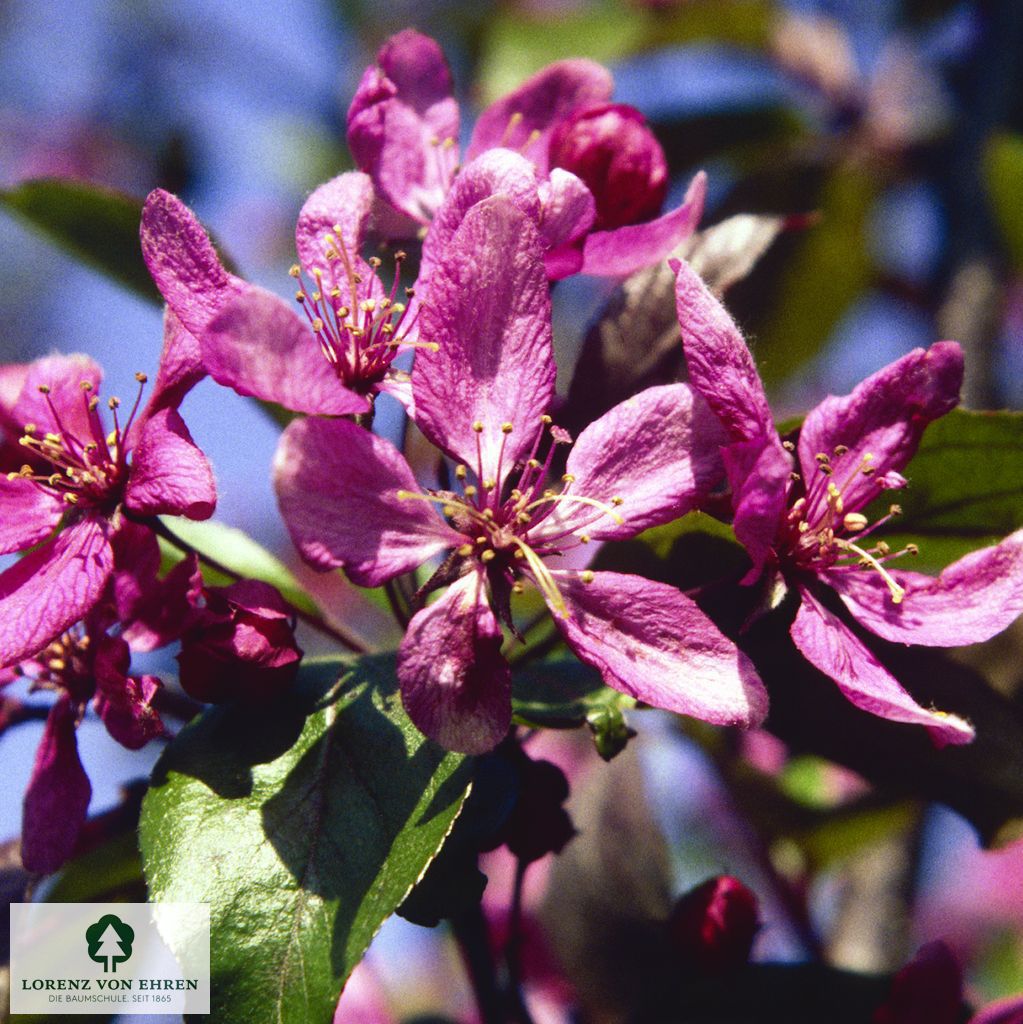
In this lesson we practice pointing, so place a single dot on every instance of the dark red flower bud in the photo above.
(613, 151)
(928, 990)
(714, 925)
(242, 646)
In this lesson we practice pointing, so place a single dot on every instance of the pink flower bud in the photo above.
(714, 924)
(242, 647)
(613, 151)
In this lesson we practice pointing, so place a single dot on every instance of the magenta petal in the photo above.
(524, 119)
(181, 368)
(829, 645)
(345, 201)
(403, 124)
(259, 346)
(625, 250)
(649, 460)
(455, 685)
(124, 704)
(567, 209)
(169, 474)
(64, 409)
(973, 600)
(182, 261)
(652, 642)
(758, 471)
(497, 172)
(720, 364)
(489, 312)
(337, 486)
(883, 417)
(57, 797)
(28, 514)
(53, 587)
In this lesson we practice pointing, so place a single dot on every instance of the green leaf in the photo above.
(1003, 168)
(235, 550)
(965, 488)
(96, 224)
(561, 694)
(304, 827)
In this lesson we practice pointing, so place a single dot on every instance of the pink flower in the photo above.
(81, 487)
(350, 499)
(337, 357)
(403, 126)
(713, 926)
(798, 509)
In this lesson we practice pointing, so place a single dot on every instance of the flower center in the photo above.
(821, 534)
(87, 470)
(359, 325)
(497, 516)
(65, 664)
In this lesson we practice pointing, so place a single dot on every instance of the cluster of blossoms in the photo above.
(556, 180)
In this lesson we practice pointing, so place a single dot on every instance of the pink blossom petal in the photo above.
(30, 514)
(181, 368)
(64, 410)
(883, 417)
(652, 642)
(125, 704)
(623, 251)
(53, 587)
(973, 600)
(259, 346)
(455, 685)
(496, 172)
(182, 261)
(57, 797)
(829, 645)
(337, 486)
(489, 312)
(525, 118)
(758, 471)
(403, 124)
(156, 612)
(567, 209)
(648, 460)
(345, 201)
(720, 365)
(12, 380)
(169, 474)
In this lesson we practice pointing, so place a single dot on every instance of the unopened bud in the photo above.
(713, 926)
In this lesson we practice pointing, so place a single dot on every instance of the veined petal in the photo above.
(623, 251)
(567, 209)
(63, 409)
(524, 119)
(29, 514)
(182, 261)
(53, 587)
(973, 600)
(58, 794)
(648, 460)
(489, 313)
(455, 685)
(258, 345)
(758, 471)
(829, 645)
(651, 641)
(338, 488)
(345, 201)
(720, 364)
(497, 172)
(169, 474)
(884, 417)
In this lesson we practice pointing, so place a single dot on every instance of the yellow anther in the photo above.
(54, 478)
(481, 540)
(448, 510)
(883, 548)
(374, 262)
(488, 513)
(465, 549)
(507, 428)
(584, 538)
(617, 501)
(317, 324)
(44, 389)
(141, 378)
(343, 311)
(113, 402)
(822, 457)
(461, 472)
(399, 308)
(522, 518)
(316, 296)
(317, 273)
(568, 478)
(448, 143)
(489, 485)
(788, 446)
(295, 270)
(518, 553)
(912, 549)
(335, 293)
(546, 420)
(56, 665)
(804, 526)
(477, 427)
(518, 588)
(895, 510)
(400, 255)
(533, 464)
(840, 450)
(855, 521)
(368, 305)
(587, 576)
(300, 296)
(85, 385)
(52, 438)
(94, 403)
(488, 556)
(30, 428)
(71, 499)
(470, 491)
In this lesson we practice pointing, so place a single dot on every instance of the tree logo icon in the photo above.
(109, 942)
